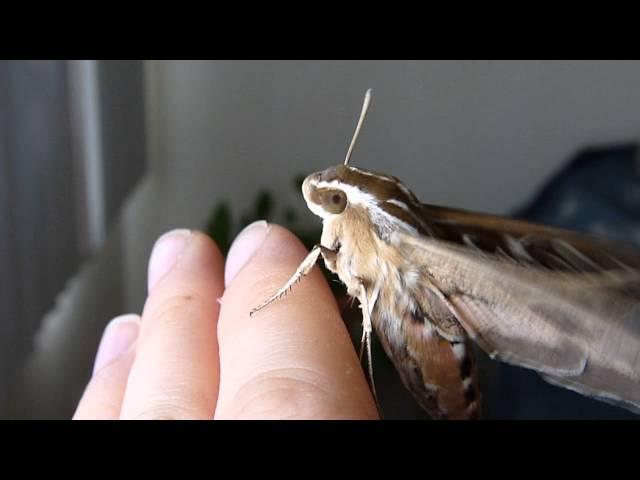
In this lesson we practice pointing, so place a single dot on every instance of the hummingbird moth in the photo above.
(430, 280)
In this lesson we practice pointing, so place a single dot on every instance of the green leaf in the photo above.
(290, 216)
(264, 205)
(219, 227)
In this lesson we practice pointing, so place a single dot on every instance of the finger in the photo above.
(293, 359)
(102, 399)
(175, 372)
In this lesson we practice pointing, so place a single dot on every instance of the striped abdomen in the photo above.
(440, 372)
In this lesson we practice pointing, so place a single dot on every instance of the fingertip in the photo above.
(294, 358)
(165, 253)
(119, 336)
(173, 245)
(244, 247)
(269, 256)
(102, 399)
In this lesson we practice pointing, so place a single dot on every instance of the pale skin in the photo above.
(195, 353)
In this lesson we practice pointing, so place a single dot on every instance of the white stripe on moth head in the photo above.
(398, 203)
(378, 176)
(355, 196)
(371, 174)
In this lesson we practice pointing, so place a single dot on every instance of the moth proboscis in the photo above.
(430, 280)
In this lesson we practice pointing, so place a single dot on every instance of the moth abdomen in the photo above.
(469, 377)
(438, 370)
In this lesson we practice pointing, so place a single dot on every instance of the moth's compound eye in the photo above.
(334, 201)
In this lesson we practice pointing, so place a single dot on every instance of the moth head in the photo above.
(329, 193)
(335, 190)
(325, 193)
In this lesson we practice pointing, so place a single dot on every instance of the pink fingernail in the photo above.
(165, 252)
(118, 337)
(243, 248)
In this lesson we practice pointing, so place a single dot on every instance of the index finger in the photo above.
(294, 359)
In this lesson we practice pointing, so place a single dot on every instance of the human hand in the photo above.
(190, 357)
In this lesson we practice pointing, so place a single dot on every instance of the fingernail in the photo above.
(165, 252)
(118, 337)
(243, 248)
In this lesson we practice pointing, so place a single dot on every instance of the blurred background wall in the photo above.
(483, 135)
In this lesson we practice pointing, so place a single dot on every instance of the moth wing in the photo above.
(568, 310)
(534, 343)
(539, 245)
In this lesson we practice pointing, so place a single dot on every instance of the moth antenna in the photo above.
(363, 113)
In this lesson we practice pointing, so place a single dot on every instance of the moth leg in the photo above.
(327, 254)
(303, 270)
(362, 340)
(366, 337)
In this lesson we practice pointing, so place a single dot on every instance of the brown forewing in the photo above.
(558, 302)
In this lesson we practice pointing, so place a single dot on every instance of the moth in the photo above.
(430, 280)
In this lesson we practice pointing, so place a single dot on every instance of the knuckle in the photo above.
(282, 394)
(171, 408)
